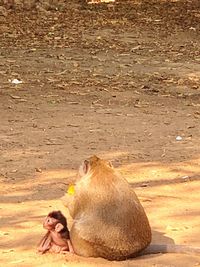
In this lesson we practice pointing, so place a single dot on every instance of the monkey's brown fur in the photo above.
(109, 220)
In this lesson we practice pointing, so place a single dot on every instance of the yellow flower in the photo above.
(71, 190)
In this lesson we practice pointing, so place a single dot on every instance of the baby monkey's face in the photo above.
(50, 223)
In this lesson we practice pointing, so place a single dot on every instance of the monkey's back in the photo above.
(112, 223)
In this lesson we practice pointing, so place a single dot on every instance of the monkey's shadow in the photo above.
(158, 238)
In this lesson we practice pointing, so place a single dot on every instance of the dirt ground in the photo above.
(120, 81)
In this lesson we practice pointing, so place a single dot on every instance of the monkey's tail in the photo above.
(170, 248)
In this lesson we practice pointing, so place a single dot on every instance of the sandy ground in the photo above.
(121, 82)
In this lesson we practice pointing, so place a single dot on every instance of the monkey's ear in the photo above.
(85, 166)
(59, 227)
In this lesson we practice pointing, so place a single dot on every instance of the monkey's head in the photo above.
(55, 220)
(94, 164)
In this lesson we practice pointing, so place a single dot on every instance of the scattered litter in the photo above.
(8, 251)
(15, 81)
(135, 48)
(185, 177)
(3, 233)
(73, 103)
(38, 170)
(144, 185)
(179, 138)
(15, 97)
(95, 130)
(73, 125)
(100, 1)
(18, 98)
(17, 261)
(14, 171)
(171, 228)
(163, 154)
(6, 233)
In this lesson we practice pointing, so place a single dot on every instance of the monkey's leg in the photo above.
(71, 250)
(55, 248)
(45, 243)
(67, 249)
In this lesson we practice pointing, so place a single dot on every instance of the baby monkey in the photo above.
(57, 238)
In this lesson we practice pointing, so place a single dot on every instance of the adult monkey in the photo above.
(109, 220)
